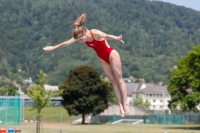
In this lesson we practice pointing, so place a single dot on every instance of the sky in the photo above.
(194, 4)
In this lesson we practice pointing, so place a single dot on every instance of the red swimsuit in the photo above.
(101, 48)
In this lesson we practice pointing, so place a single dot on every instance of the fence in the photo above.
(148, 116)
(10, 110)
(154, 119)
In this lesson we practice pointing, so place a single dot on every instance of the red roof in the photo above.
(16, 85)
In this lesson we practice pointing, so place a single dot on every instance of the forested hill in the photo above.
(156, 35)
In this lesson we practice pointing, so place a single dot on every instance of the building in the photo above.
(27, 101)
(128, 80)
(50, 88)
(28, 80)
(133, 87)
(157, 95)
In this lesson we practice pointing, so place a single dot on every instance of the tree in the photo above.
(7, 89)
(184, 83)
(84, 92)
(159, 36)
(132, 79)
(40, 97)
(140, 103)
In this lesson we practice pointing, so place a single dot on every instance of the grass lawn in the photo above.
(50, 114)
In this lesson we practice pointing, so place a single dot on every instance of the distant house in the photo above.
(137, 80)
(140, 80)
(47, 87)
(28, 80)
(128, 80)
(19, 89)
(51, 88)
(133, 87)
(157, 95)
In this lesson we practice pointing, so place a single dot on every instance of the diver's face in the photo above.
(83, 38)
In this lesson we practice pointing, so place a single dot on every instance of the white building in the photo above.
(133, 87)
(28, 80)
(50, 88)
(157, 95)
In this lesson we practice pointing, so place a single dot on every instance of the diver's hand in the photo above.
(49, 48)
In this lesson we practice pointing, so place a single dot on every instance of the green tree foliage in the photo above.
(7, 90)
(156, 34)
(84, 92)
(39, 95)
(140, 103)
(184, 83)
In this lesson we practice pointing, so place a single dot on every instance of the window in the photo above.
(154, 100)
(160, 106)
(161, 101)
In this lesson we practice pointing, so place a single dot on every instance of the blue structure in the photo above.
(11, 130)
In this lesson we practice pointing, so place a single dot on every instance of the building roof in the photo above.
(133, 87)
(17, 85)
(158, 89)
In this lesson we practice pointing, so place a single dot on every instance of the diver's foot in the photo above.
(122, 113)
(126, 109)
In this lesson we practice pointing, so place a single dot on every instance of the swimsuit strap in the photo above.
(92, 35)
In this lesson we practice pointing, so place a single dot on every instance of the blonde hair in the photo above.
(79, 29)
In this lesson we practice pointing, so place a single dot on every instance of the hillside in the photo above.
(156, 35)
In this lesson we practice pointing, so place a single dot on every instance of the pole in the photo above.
(21, 111)
(89, 119)
(60, 130)
(23, 107)
(164, 112)
(6, 107)
(114, 124)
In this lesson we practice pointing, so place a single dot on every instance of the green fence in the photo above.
(153, 119)
(10, 110)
